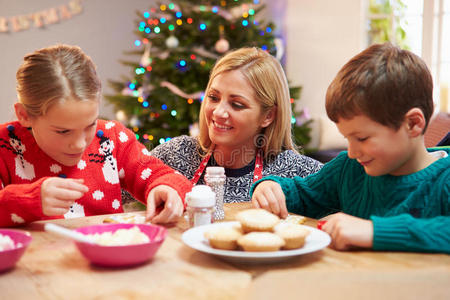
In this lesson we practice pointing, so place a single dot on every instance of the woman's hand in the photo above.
(348, 232)
(269, 195)
(173, 205)
(58, 194)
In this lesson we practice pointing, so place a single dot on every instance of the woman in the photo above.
(245, 127)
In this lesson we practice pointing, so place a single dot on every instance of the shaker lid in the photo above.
(215, 171)
(201, 196)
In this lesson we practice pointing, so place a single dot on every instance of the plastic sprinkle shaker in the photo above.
(200, 205)
(215, 178)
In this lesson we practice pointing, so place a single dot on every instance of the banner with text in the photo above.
(41, 18)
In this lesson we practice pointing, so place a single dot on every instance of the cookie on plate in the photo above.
(294, 219)
(294, 235)
(126, 218)
(257, 219)
(260, 241)
(224, 238)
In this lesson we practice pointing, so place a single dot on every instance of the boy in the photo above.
(392, 192)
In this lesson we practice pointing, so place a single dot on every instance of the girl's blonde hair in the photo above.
(266, 76)
(56, 74)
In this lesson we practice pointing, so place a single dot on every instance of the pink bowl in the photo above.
(121, 256)
(8, 258)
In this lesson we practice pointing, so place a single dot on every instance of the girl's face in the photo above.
(233, 114)
(379, 149)
(66, 130)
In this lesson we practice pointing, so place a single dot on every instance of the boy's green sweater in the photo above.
(409, 213)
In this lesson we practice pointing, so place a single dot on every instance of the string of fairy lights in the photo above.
(167, 17)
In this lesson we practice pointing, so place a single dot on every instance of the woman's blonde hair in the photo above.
(266, 76)
(55, 74)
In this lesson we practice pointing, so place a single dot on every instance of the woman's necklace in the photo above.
(257, 173)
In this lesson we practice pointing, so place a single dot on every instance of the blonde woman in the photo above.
(59, 160)
(245, 127)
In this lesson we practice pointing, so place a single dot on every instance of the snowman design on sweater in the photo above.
(23, 168)
(75, 211)
(109, 169)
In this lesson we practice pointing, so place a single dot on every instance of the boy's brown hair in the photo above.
(383, 83)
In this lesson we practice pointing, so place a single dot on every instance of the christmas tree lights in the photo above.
(177, 44)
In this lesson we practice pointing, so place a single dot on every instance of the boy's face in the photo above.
(379, 149)
(65, 131)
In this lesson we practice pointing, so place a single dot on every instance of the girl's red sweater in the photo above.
(113, 160)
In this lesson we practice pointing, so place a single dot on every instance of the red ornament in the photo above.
(320, 224)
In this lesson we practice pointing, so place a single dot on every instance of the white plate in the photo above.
(195, 239)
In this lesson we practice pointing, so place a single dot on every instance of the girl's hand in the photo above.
(348, 232)
(269, 195)
(173, 205)
(58, 194)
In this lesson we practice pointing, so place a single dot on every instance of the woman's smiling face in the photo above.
(233, 114)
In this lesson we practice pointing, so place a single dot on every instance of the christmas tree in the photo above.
(177, 45)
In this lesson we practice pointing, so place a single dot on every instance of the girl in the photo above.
(59, 160)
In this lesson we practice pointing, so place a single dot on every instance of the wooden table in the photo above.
(52, 268)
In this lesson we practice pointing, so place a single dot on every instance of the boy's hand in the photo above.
(269, 195)
(348, 232)
(173, 205)
(58, 194)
